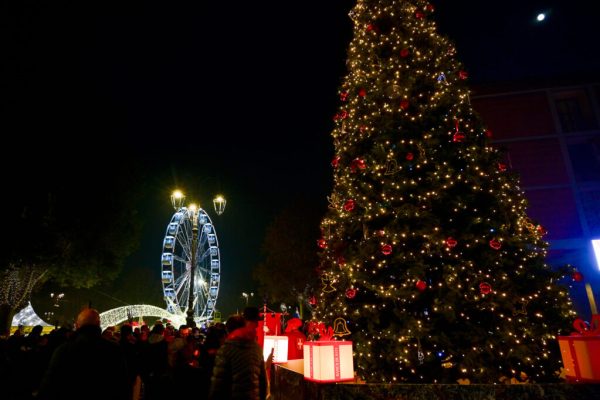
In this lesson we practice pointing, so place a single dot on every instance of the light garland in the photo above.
(412, 160)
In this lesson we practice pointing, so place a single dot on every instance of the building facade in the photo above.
(551, 135)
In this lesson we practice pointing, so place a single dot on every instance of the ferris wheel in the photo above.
(191, 248)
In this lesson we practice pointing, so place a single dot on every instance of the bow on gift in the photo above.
(588, 329)
(325, 333)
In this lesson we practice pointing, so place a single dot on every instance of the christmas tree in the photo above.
(427, 254)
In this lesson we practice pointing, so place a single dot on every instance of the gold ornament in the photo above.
(392, 167)
(327, 284)
(340, 328)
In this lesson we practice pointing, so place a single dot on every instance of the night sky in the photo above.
(236, 98)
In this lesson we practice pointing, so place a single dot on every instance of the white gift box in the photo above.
(328, 361)
(280, 344)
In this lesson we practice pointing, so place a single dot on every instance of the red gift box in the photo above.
(581, 351)
(581, 357)
(328, 361)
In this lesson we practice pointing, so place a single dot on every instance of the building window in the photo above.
(591, 209)
(584, 153)
(574, 111)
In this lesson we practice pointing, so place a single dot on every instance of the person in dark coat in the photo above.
(239, 371)
(87, 366)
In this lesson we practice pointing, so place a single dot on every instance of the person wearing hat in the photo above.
(296, 339)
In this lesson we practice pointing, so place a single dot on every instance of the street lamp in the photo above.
(193, 211)
(246, 296)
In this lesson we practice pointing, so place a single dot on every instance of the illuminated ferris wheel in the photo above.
(191, 261)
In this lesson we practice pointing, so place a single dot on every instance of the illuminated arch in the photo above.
(122, 314)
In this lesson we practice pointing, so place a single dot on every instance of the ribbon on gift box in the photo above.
(587, 329)
(324, 332)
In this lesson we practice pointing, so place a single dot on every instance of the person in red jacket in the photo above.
(296, 339)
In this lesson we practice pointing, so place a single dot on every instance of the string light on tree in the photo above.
(454, 251)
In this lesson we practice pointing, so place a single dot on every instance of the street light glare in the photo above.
(177, 194)
(193, 207)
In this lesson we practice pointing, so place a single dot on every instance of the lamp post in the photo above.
(246, 296)
(177, 199)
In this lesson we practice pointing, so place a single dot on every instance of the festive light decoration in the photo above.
(28, 317)
(118, 315)
(577, 276)
(279, 345)
(386, 249)
(335, 162)
(485, 288)
(455, 221)
(349, 205)
(451, 242)
(350, 293)
(495, 244)
(322, 243)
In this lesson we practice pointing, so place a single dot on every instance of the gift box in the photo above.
(280, 346)
(581, 357)
(328, 361)
(581, 350)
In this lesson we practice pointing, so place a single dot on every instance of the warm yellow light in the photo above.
(193, 207)
(177, 194)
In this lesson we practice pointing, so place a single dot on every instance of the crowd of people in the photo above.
(223, 361)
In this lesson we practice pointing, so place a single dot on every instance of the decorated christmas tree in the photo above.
(427, 252)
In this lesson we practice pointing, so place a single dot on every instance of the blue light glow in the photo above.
(596, 245)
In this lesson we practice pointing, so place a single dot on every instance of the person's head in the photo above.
(251, 315)
(126, 331)
(109, 333)
(36, 331)
(184, 331)
(235, 322)
(215, 336)
(88, 317)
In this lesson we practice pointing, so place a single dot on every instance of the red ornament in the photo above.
(540, 229)
(349, 205)
(451, 242)
(404, 104)
(362, 92)
(458, 137)
(381, 233)
(312, 301)
(343, 96)
(419, 15)
(489, 133)
(386, 249)
(344, 114)
(322, 243)
(421, 285)
(358, 163)
(577, 276)
(362, 128)
(370, 27)
(410, 156)
(485, 288)
(341, 261)
(430, 7)
(495, 244)
(502, 167)
(463, 75)
(404, 52)
(350, 293)
(335, 162)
